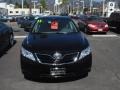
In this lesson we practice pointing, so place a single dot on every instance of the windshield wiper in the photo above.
(42, 32)
(52, 32)
(60, 32)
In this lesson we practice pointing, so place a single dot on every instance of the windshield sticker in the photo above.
(39, 21)
(54, 25)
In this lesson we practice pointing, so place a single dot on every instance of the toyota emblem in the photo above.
(57, 56)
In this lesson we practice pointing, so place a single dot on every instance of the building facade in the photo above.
(9, 9)
(25, 11)
(57, 6)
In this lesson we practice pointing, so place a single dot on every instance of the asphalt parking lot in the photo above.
(105, 74)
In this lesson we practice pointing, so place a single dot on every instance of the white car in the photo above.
(47, 13)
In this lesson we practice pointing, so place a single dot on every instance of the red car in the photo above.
(94, 24)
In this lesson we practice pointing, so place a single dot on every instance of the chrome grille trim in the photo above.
(77, 54)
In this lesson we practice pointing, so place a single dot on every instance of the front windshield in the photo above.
(49, 25)
(94, 18)
(83, 17)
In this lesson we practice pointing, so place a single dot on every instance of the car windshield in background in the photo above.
(28, 17)
(83, 17)
(49, 25)
(94, 18)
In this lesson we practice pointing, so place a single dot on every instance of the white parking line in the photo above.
(112, 35)
(102, 36)
(19, 37)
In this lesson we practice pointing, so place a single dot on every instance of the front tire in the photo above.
(11, 40)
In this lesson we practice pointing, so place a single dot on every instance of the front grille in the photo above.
(45, 58)
(68, 58)
(100, 26)
(49, 59)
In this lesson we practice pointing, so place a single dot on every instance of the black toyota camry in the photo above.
(6, 37)
(55, 48)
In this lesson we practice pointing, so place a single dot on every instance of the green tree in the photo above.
(43, 4)
(64, 2)
(64, 5)
(86, 10)
(17, 5)
(26, 5)
(9, 1)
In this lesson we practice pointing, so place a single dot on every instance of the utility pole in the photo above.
(78, 6)
(34, 4)
(103, 8)
(22, 4)
(40, 8)
(83, 4)
(73, 6)
(30, 7)
(22, 12)
(91, 5)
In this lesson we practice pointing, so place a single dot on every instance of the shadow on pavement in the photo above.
(6, 49)
(115, 31)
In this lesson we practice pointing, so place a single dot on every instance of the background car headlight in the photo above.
(85, 52)
(27, 54)
(106, 26)
(91, 25)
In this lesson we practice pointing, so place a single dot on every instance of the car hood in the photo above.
(55, 42)
(96, 22)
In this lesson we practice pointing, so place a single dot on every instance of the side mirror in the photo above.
(78, 26)
(81, 26)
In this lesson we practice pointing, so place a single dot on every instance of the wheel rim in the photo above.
(11, 40)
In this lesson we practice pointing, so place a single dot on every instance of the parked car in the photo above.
(93, 24)
(26, 21)
(114, 21)
(55, 48)
(11, 18)
(47, 13)
(63, 14)
(20, 21)
(80, 19)
(6, 37)
(3, 18)
(83, 17)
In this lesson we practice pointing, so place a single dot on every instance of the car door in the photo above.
(4, 36)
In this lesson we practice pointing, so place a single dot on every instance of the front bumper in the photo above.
(35, 69)
(99, 30)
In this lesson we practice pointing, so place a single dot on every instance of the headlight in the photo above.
(27, 54)
(85, 52)
(91, 25)
(106, 25)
